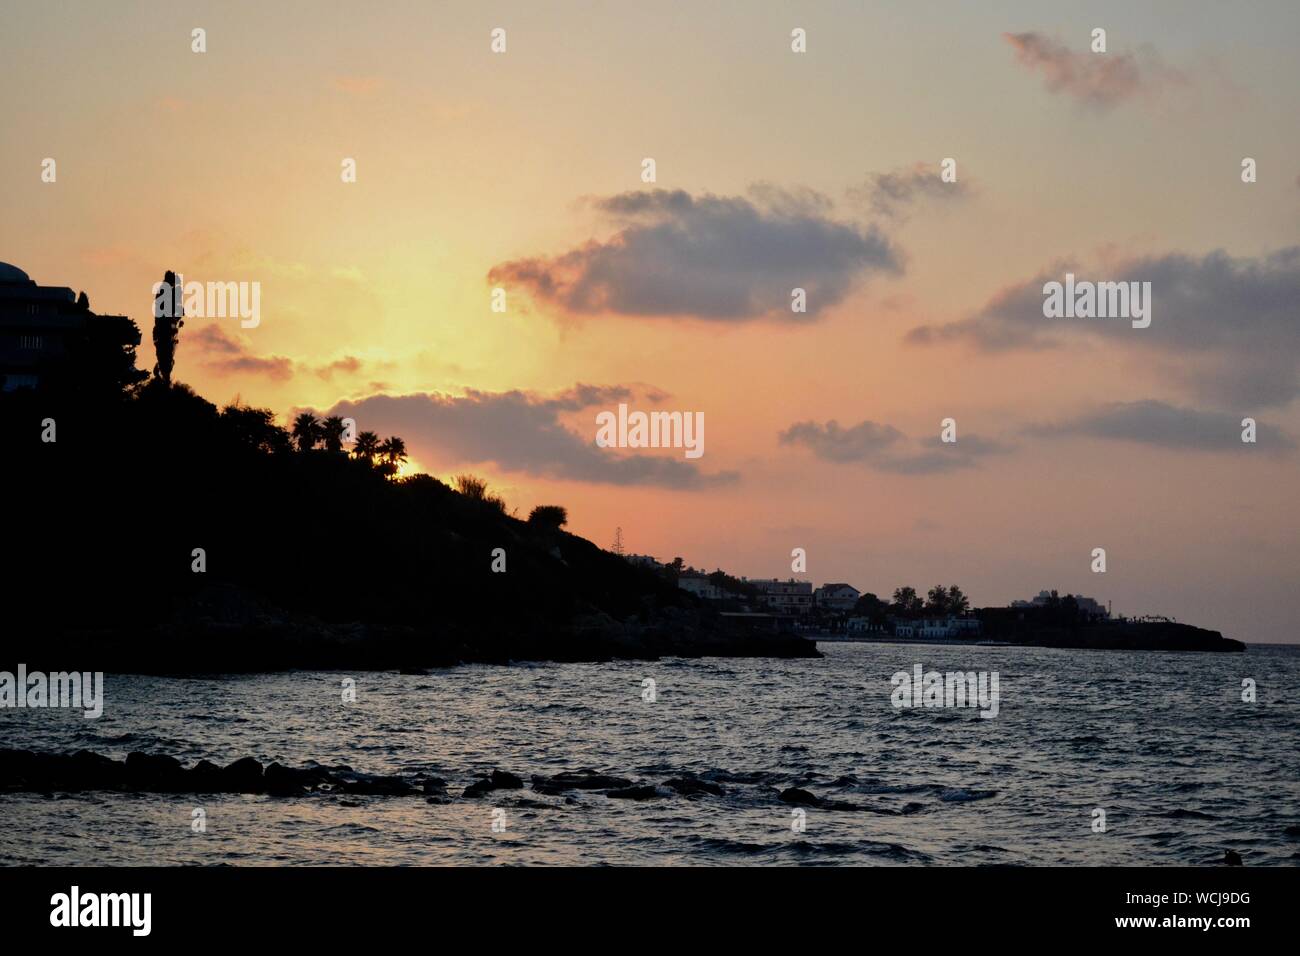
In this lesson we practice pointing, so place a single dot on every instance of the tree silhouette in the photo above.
(393, 450)
(331, 432)
(549, 516)
(306, 431)
(167, 321)
(907, 602)
(366, 446)
(471, 486)
(937, 600)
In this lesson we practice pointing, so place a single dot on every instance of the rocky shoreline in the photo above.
(25, 771)
(1116, 636)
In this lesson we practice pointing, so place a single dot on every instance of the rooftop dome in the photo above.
(10, 273)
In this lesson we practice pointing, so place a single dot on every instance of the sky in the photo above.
(522, 170)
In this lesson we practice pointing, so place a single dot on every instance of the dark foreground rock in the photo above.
(497, 780)
(23, 771)
(579, 780)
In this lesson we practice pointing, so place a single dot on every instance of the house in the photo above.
(785, 597)
(701, 587)
(942, 628)
(643, 560)
(862, 625)
(1088, 607)
(42, 326)
(836, 597)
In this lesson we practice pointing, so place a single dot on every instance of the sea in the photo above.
(1094, 758)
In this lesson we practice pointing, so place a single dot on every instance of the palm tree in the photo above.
(331, 431)
(366, 446)
(393, 450)
(306, 431)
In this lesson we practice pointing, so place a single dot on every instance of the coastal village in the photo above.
(839, 610)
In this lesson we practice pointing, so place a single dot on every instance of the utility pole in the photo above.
(618, 542)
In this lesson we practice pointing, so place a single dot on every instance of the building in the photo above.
(943, 628)
(701, 587)
(1088, 607)
(863, 625)
(836, 597)
(785, 597)
(642, 560)
(43, 326)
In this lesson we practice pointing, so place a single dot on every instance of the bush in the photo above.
(549, 516)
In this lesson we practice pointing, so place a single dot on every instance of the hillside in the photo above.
(314, 558)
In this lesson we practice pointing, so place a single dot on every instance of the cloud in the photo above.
(889, 194)
(521, 432)
(219, 352)
(1167, 426)
(1098, 80)
(885, 448)
(710, 257)
(1230, 323)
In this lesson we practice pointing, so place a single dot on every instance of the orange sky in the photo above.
(774, 169)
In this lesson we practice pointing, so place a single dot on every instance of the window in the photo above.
(31, 342)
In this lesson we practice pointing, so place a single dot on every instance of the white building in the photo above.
(1088, 607)
(862, 625)
(837, 597)
(785, 597)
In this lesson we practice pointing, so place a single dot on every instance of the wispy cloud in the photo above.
(219, 352)
(891, 194)
(1098, 80)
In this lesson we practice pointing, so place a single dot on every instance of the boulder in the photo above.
(154, 773)
(243, 776)
(689, 786)
(647, 792)
(799, 797)
(579, 780)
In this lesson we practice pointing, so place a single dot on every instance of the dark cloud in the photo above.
(1099, 80)
(886, 448)
(710, 257)
(1167, 426)
(1228, 326)
(889, 194)
(522, 432)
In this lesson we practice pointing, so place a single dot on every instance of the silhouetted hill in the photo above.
(313, 558)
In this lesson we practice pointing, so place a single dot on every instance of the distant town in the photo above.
(839, 609)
